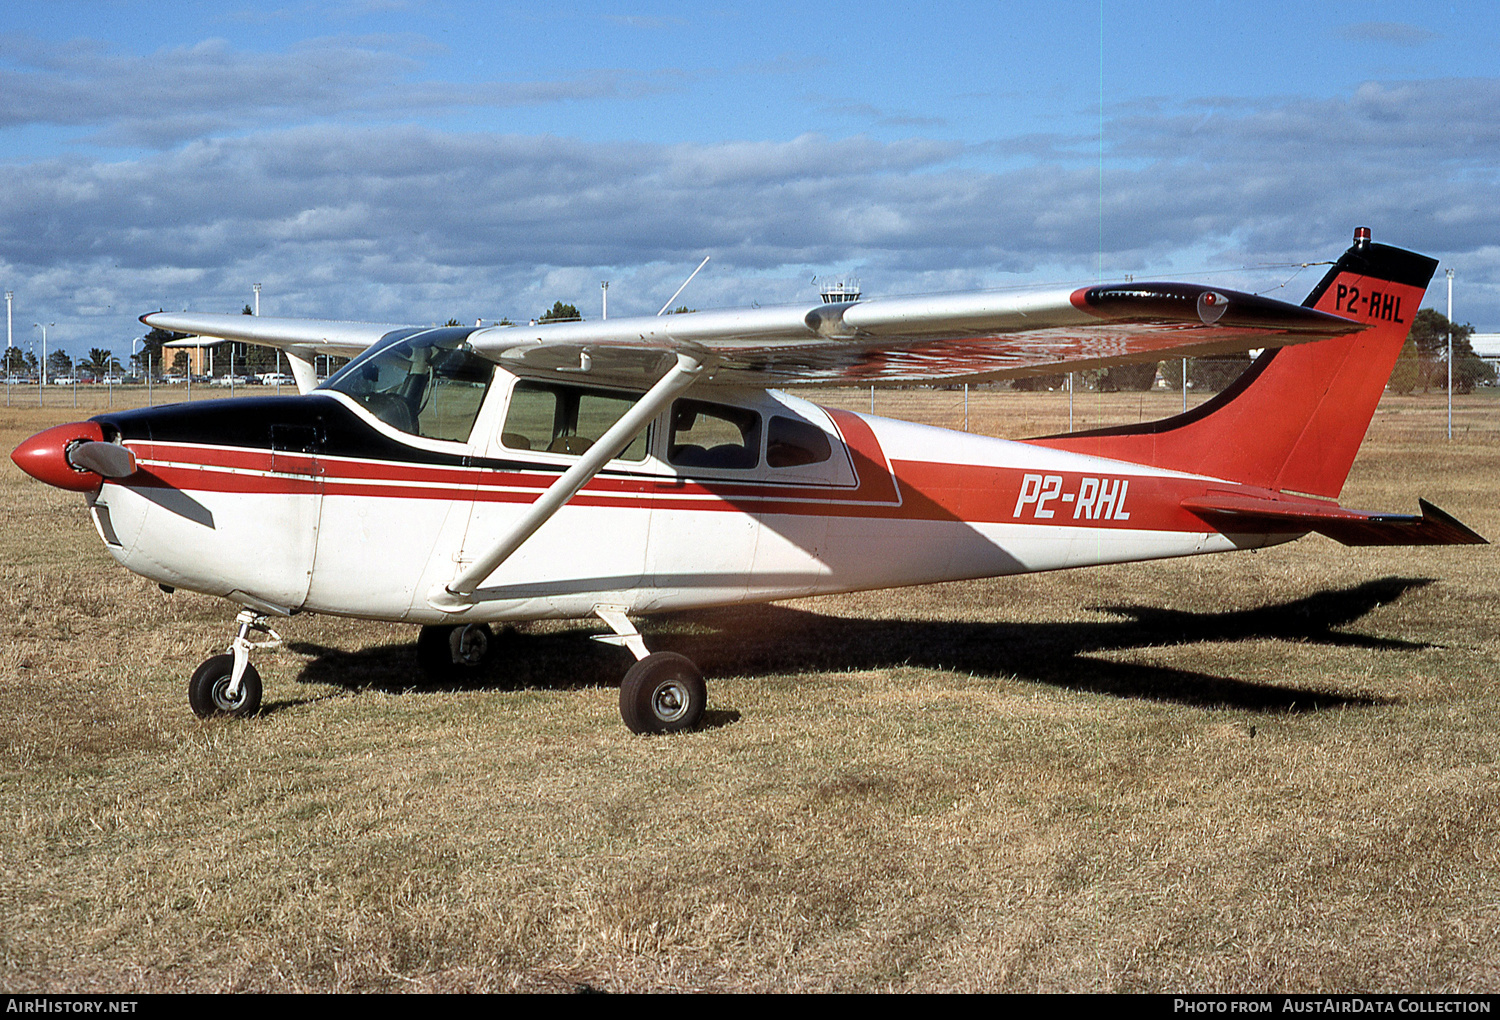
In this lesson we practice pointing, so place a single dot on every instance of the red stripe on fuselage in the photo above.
(900, 490)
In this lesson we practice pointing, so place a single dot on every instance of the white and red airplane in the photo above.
(457, 477)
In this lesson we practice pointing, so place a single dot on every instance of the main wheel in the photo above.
(663, 693)
(448, 652)
(208, 690)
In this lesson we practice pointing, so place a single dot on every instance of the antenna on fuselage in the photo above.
(684, 285)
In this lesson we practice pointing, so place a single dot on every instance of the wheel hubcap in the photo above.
(669, 702)
(222, 700)
(470, 646)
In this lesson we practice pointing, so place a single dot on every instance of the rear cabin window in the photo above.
(565, 419)
(791, 442)
(713, 436)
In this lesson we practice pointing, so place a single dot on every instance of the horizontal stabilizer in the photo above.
(1230, 513)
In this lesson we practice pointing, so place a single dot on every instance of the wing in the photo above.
(951, 338)
(301, 339)
(956, 338)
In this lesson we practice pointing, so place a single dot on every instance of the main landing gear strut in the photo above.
(663, 692)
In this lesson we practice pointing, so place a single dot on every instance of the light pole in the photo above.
(256, 288)
(147, 368)
(42, 388)
(1450, 352)
(10, 297)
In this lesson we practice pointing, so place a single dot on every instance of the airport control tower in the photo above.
(837, 290)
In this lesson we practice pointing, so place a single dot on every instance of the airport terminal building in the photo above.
(1487, 346)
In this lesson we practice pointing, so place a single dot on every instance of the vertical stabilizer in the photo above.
(1295, 419)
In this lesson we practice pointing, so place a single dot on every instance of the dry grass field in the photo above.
(1256, 772)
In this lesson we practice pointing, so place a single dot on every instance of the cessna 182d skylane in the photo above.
(457, 477)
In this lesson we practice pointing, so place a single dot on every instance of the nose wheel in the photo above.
(211, 691)
(227, 685)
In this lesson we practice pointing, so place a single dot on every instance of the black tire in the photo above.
(663, 693)
(206, 690)
(450, 652)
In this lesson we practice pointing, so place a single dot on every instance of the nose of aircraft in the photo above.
(45, 456)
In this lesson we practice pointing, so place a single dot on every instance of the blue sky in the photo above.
(391, 161)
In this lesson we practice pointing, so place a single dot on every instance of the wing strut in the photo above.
(458, 594)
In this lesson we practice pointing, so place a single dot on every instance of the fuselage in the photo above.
(321, 503)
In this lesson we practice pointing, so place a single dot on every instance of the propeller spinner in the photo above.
(73, 456)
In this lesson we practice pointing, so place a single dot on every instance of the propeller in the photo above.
(108, 459)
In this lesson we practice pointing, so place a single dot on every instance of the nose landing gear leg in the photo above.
(227, 685)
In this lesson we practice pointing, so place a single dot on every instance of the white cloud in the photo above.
(396, 222)
(176, 95)
(1393, 32)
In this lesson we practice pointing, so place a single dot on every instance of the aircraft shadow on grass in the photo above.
(776, 639)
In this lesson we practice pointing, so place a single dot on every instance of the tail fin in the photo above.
(1294, 420)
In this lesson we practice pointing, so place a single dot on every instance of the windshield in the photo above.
(424, 382)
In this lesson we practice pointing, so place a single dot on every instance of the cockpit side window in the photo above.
(713, 435)
(791, 442)
(426, 384)
(565, 419)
